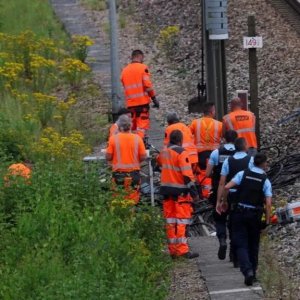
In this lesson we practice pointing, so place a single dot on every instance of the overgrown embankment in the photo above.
(63, 233)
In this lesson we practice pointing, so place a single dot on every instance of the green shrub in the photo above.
(63, 240)
(168, 40)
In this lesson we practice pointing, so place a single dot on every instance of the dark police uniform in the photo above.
(217, 159)
(246, 218)
(234, 164)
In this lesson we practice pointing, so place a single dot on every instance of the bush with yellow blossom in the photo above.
(53, 146)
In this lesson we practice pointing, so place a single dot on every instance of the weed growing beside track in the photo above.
(61, 237)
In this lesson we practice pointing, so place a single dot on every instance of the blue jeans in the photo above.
(246, 235)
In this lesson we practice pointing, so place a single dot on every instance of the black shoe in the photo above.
(190, 255)
(222, 249)
(249, 278)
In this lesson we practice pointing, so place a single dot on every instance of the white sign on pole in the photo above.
(253, 42)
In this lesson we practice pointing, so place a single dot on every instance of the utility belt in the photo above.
(242, 207)
(138, 110)
(129, 178)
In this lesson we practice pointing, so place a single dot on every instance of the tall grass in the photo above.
(61, 238)
(20, 15)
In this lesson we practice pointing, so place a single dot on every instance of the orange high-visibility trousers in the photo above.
(205, 183)
(177, 215)
(131, 194)
(140, 122)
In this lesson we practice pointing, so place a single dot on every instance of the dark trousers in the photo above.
(246, 225)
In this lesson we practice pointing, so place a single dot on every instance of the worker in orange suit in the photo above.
(114, 129)
(243, 122)
(179, 190)
(207, 136)
(188, 140)
(126, 151)
(138, 92)
(18, 170)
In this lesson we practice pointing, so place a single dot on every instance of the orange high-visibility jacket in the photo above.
(126, 149)
(207, 133)
(137, 85)
(176, 171)
(187, 143)
(243, 122)
(114, 129)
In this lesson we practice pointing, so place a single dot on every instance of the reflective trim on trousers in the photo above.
(183, 221)
(133, 86)
(171, 220)
(182, 240)
(178, 221)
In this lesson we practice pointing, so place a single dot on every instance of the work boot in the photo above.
(249, 277)
(190, 255)
(222, 249)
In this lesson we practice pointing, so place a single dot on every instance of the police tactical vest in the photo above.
(223, 154)
(237, 165)
(250, 191)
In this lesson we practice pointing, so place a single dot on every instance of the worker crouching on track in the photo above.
(254, 190)
(207, 137)
(138, 92)
(188, 141)
(179, 190)
(243, 122)
(126, 151)
(213, 170)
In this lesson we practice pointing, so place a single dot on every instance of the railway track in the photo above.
(290, 10)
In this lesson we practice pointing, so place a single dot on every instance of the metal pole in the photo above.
(116, 90)
(253, 78)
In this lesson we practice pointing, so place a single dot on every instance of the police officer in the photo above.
(231, 166)
(254, 191)
(213, 170)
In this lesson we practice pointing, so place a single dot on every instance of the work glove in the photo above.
(155, 102)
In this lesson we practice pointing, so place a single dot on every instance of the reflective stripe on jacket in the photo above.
(243, 122)
(126, 149)
(207, 133)
(175, 166)
(137, 85)
(187, 143)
